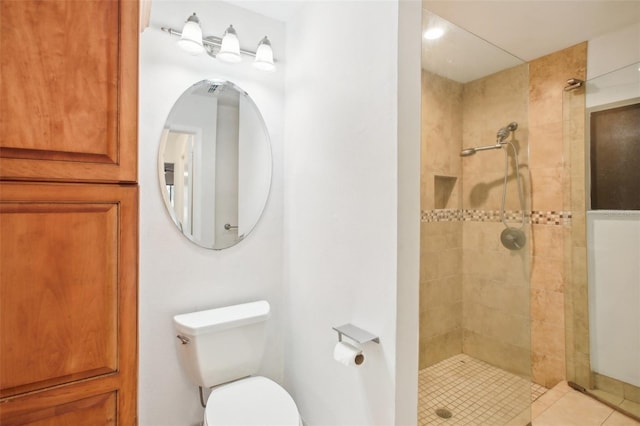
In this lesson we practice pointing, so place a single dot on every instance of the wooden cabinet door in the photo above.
(68, 304)
(68, 90)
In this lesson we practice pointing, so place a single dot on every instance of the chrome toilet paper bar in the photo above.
(356, 334)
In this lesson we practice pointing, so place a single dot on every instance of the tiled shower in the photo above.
(502, 308)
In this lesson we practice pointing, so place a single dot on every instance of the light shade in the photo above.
(191, 39)
(264, 56)
(230, 48)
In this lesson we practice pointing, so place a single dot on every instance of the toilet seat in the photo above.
(255, 400)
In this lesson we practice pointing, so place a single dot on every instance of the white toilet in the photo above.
(221, 349)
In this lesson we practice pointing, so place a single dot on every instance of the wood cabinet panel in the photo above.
(97, 410)
(68, 90)
(74, 88)
(68, 299)
(62, 320)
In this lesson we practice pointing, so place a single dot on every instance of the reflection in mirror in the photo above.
(214, 164)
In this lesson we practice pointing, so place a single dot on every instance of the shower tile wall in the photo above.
(462, 258)
(496, 324)
(441, 140)
(551, 168)
(490, 103)
(577, 303)
(493, 326)
(441, 239)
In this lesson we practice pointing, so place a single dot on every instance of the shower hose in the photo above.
(504, 187)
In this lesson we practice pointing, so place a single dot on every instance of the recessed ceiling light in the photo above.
(433, 33)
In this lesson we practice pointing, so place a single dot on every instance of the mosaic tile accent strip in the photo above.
(492, 215)
(442, 215)
(531, 217)
(550, 217)
(474, 392)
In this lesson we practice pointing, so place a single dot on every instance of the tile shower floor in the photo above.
(474, 392)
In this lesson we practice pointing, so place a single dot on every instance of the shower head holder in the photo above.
(504, 132)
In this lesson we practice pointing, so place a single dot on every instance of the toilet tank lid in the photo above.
(217, 319)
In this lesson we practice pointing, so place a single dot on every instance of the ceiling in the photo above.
(484, 37)
(531, 29)
(459, 55)
(487, 36)
(280, 10)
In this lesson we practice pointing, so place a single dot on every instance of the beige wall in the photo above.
(495, 280)
(463, 262)
(491, 103)
(551, 168)
(441, 139)
(441, 239)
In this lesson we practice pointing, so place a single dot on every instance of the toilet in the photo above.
(222, 349)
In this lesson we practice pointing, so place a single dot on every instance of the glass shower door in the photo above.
(475, 335)
(603, 318)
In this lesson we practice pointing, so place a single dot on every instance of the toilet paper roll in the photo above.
(348, 354)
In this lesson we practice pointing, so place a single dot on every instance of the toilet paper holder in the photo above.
(356, 334)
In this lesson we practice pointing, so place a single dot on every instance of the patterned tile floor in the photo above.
(475, 393)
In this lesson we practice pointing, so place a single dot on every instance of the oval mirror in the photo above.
(214, 164)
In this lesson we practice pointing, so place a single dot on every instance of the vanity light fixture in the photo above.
(264, 56)
(230, 47)
(191, 37)
(226, 49)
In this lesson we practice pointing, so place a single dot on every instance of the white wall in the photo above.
(198, 116)
(618, 51)
(613, 237)
(613, 247)
(352, 210)
(253, 187)
(177, 276)
(408, 269)
(342, 243)
(613, 51)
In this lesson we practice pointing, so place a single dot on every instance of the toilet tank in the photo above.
(223, 344)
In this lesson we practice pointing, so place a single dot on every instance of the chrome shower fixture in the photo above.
(573, 84)
(511, 238)
(505, 131)
(470, 151)
(501, 136)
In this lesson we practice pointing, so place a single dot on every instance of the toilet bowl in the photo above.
(222, 349)
(252, 401)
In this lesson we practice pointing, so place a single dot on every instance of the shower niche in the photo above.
(444, 192)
